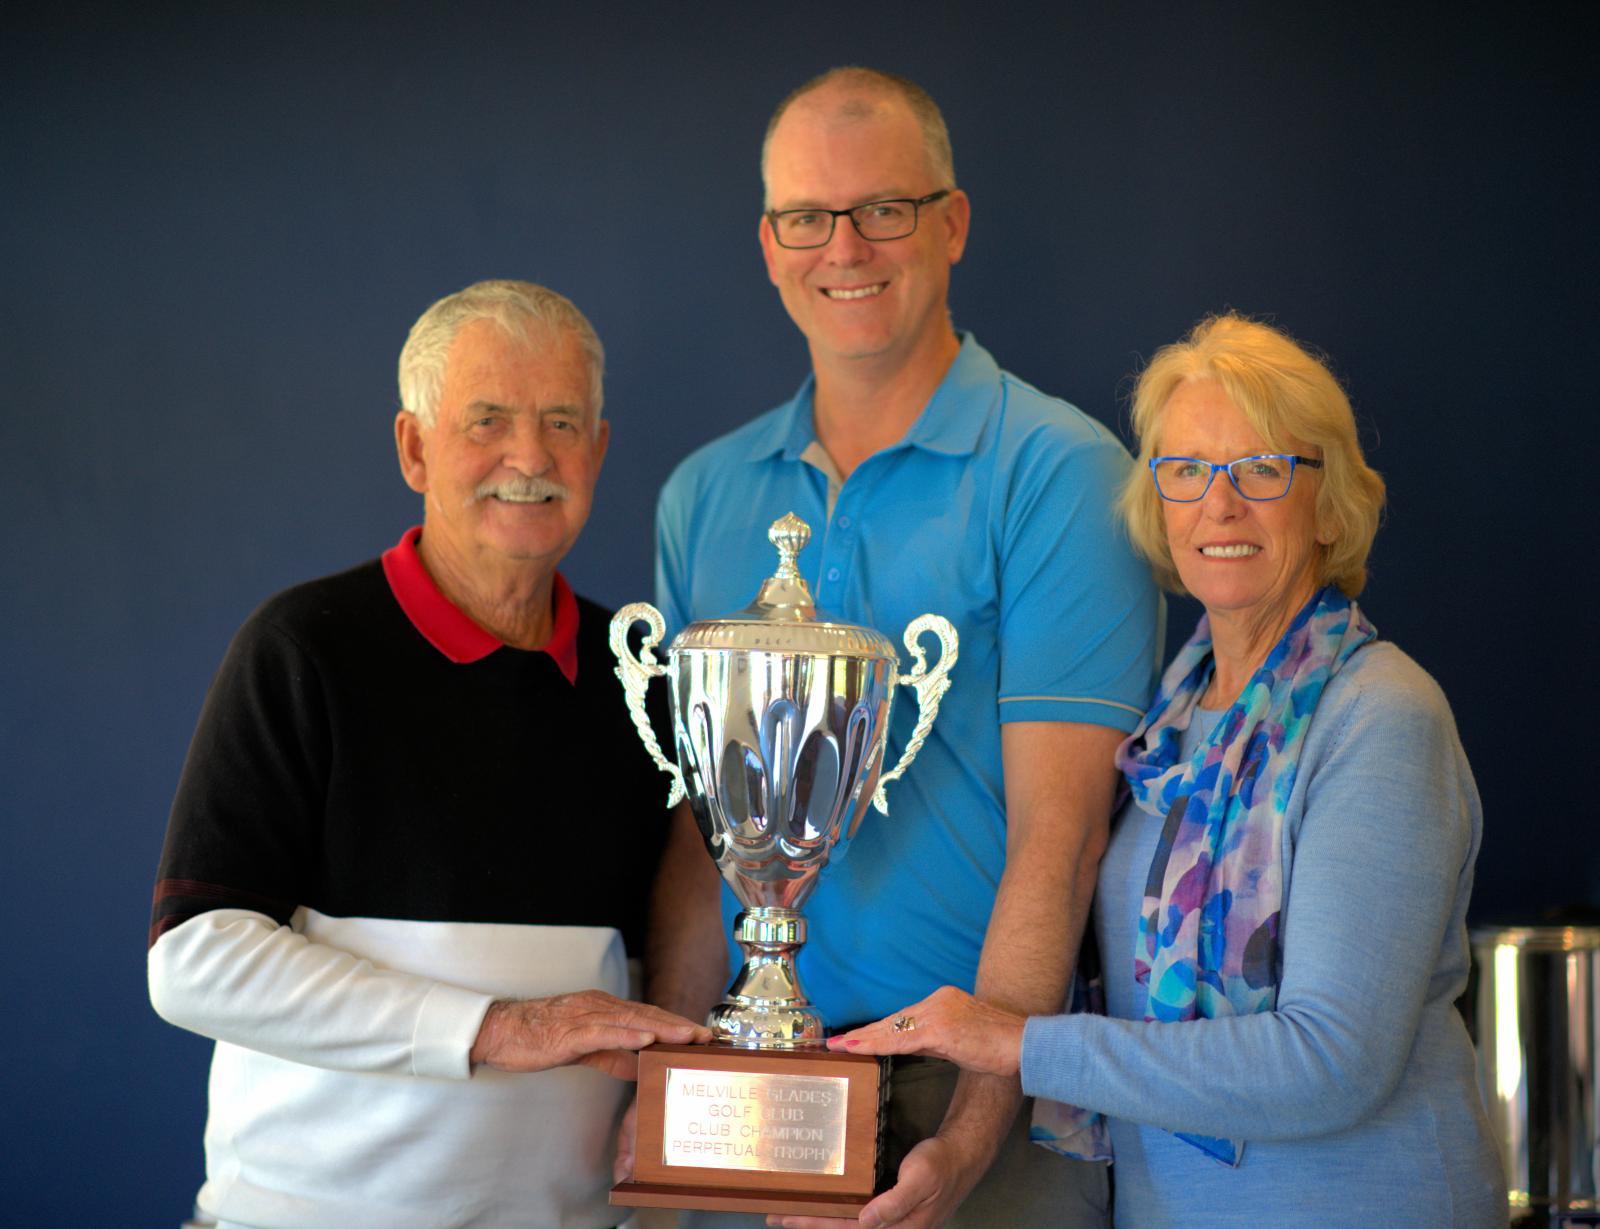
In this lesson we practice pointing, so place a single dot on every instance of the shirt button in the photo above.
(833, 573)
(844, 522)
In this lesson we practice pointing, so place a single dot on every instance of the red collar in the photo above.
(449, 629)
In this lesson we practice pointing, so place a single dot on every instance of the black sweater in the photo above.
(343, 763)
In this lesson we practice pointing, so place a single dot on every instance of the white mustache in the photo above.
(521, 490)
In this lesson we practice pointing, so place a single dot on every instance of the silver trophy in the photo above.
(781, 719)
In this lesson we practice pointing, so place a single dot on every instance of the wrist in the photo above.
(487, 1042)
(979, 1117)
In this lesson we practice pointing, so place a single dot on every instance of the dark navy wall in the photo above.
(219, 221)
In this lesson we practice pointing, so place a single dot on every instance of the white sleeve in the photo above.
(237, 976)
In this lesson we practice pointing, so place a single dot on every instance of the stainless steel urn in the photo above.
(1537, 1018)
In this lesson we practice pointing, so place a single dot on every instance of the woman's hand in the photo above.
(949, 1024)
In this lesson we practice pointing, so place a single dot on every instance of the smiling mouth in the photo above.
(856, 292)
(1240, 550)
(521, 491)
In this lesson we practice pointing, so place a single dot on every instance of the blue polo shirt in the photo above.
(995, 510)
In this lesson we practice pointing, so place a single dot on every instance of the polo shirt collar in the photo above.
(451, 630)
(947, 424)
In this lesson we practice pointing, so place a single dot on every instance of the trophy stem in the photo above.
(765, 1008)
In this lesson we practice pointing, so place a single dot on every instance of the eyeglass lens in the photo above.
(875, 220)
(1181, 478)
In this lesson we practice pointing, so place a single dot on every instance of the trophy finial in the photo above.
(790, 535)
(785, 597)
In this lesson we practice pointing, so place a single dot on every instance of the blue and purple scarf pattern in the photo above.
(1208, 943)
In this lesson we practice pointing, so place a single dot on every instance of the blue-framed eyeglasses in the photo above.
(1267, 475)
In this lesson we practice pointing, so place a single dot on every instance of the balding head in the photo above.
(852, 95)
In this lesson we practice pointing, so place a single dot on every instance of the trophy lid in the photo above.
(783, 618)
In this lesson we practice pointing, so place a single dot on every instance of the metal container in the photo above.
(1537, 1022)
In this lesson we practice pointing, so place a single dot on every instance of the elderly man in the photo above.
(933, 481)
(378, 892)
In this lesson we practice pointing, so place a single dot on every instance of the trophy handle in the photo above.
(636, 673)
(930, 686)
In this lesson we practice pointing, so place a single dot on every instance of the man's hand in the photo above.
(589, 1027)
(933, 1180)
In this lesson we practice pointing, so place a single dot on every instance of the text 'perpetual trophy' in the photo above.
(781, 718)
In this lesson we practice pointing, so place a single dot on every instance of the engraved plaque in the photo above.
(737, 1129)
(779, 1123)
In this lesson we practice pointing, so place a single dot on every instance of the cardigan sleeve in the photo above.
(1383, 849)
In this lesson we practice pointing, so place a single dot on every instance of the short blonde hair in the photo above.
(1285, 393)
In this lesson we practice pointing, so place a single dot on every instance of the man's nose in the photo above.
(845, 245)
(526, 449)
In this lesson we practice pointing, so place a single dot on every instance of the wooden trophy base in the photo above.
(728, 1129)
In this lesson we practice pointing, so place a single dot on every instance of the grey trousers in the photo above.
(1026, 1186)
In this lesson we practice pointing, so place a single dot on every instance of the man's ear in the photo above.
(769, 247)
(957, 221)
(408, 445)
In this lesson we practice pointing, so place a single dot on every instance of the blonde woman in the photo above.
(1281, 912)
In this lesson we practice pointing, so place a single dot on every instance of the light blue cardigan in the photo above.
(1356, 1097)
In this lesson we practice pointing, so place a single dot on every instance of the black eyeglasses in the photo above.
(1267, 475)
(876, 221)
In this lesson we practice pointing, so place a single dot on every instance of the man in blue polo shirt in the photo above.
(932, 481)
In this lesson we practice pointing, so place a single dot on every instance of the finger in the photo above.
(644, 1015)
(581, 1043)
(876, 1033)
(883, 1043)
(811, 1222)
(920, 1011)
(683, 1032)
(613, 1038)
(916, 1186)
(882, 1037)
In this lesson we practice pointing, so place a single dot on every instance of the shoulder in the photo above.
(1043, 439)
(1384, 676)
(1029, 411)
(1383, 759)
(738, 446)
(596, 663)
(591, 613)
(1047, 451)
(594, 627)
(313, 609)
(1382, 704)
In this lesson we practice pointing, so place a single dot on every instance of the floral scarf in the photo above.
(1208, 944)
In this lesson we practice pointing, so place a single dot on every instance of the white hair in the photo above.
(514, 306)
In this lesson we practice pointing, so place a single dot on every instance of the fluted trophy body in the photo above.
(780, 720)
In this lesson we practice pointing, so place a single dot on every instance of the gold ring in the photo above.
(904, 1024)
